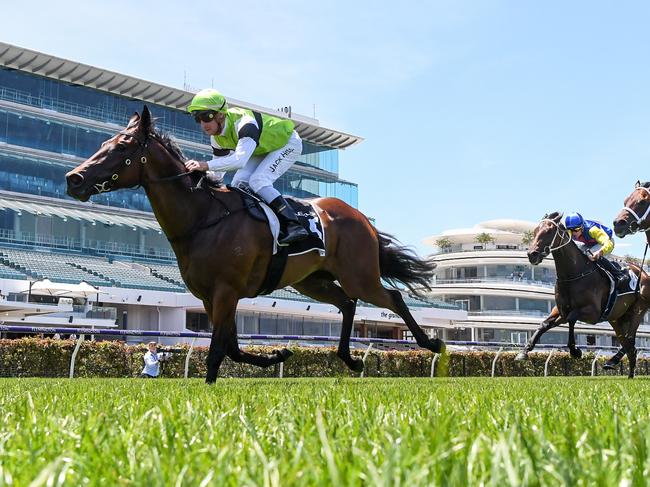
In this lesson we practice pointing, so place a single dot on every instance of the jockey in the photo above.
(597, 238)
(258, 146)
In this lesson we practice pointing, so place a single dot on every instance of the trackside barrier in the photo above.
(593, 364)
(365, 356)
(433, 364)
(494, 362)
(187, 358)
(548, 359)
(74, 354)
(281, 368)
(290, 338)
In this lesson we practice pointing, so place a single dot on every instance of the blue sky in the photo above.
(471, 110)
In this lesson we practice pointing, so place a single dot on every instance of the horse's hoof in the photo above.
(575, 352)
(284, 354)
(436, 345)
(521, 356)
(210, 381)
(356, 365)
(609, 366)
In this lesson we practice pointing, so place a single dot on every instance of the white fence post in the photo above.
(548, 359)
(365, 356)
(494, 362)
(281, 371)
(593, 364)
(187, 358)
(74, 355)
(433, 364)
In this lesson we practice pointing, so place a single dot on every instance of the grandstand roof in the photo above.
(41, 205)
(41, 64)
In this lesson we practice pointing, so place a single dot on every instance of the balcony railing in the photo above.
(495, 280)
(509, 312)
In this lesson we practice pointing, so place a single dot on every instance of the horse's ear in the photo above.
(145, 120)
(558, 218)
(545, 216)
(135, 118)
(637, 184)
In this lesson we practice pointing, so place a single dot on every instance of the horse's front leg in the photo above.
(553, 320)
(221, 311)
(573, 350)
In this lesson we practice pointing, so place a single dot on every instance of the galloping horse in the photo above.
(223, 254)
(582, 291)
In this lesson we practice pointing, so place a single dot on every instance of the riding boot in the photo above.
(292, 229)
(621, 276)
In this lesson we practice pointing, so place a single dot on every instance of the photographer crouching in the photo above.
(152, 361)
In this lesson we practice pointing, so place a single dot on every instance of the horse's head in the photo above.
(634, 216)
(549, 235)
(117, 164)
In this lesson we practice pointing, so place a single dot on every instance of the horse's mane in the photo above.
(645, 184)
(552, 216)
(168, 143)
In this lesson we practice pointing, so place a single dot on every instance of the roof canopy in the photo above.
(119, 84)
(47, 207)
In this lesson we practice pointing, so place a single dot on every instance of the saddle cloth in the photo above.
(305, 212)
(614, 292)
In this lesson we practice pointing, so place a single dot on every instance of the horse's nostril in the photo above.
(74, 180)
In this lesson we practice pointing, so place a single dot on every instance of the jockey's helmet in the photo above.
(208, 99)
(573, 221)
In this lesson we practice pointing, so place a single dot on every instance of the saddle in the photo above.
(308, 218)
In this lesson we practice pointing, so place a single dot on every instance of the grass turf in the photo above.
(466, 431)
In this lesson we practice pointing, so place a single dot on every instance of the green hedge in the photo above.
(38, 357)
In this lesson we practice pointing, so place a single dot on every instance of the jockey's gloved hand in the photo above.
(193, 165)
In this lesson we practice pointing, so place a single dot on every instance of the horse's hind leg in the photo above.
(392, 299)
(327, 291)
(258, 359)
(551, 321)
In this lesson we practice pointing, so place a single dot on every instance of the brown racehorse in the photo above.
(223, 254)
(581, 292)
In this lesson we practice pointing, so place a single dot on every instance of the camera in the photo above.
(165, 353)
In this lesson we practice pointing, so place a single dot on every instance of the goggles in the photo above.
(204, 116)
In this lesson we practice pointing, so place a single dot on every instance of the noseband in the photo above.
(639, 219)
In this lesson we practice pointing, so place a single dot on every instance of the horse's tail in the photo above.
(401, 264)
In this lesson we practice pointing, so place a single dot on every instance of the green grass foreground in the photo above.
(466, 431)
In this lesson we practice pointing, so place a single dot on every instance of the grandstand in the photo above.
(54, 113)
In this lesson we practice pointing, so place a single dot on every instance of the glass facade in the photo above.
(45, 133)
(47, 127)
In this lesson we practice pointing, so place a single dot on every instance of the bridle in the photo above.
(639, 219)
(107, 185)
(559, 232)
